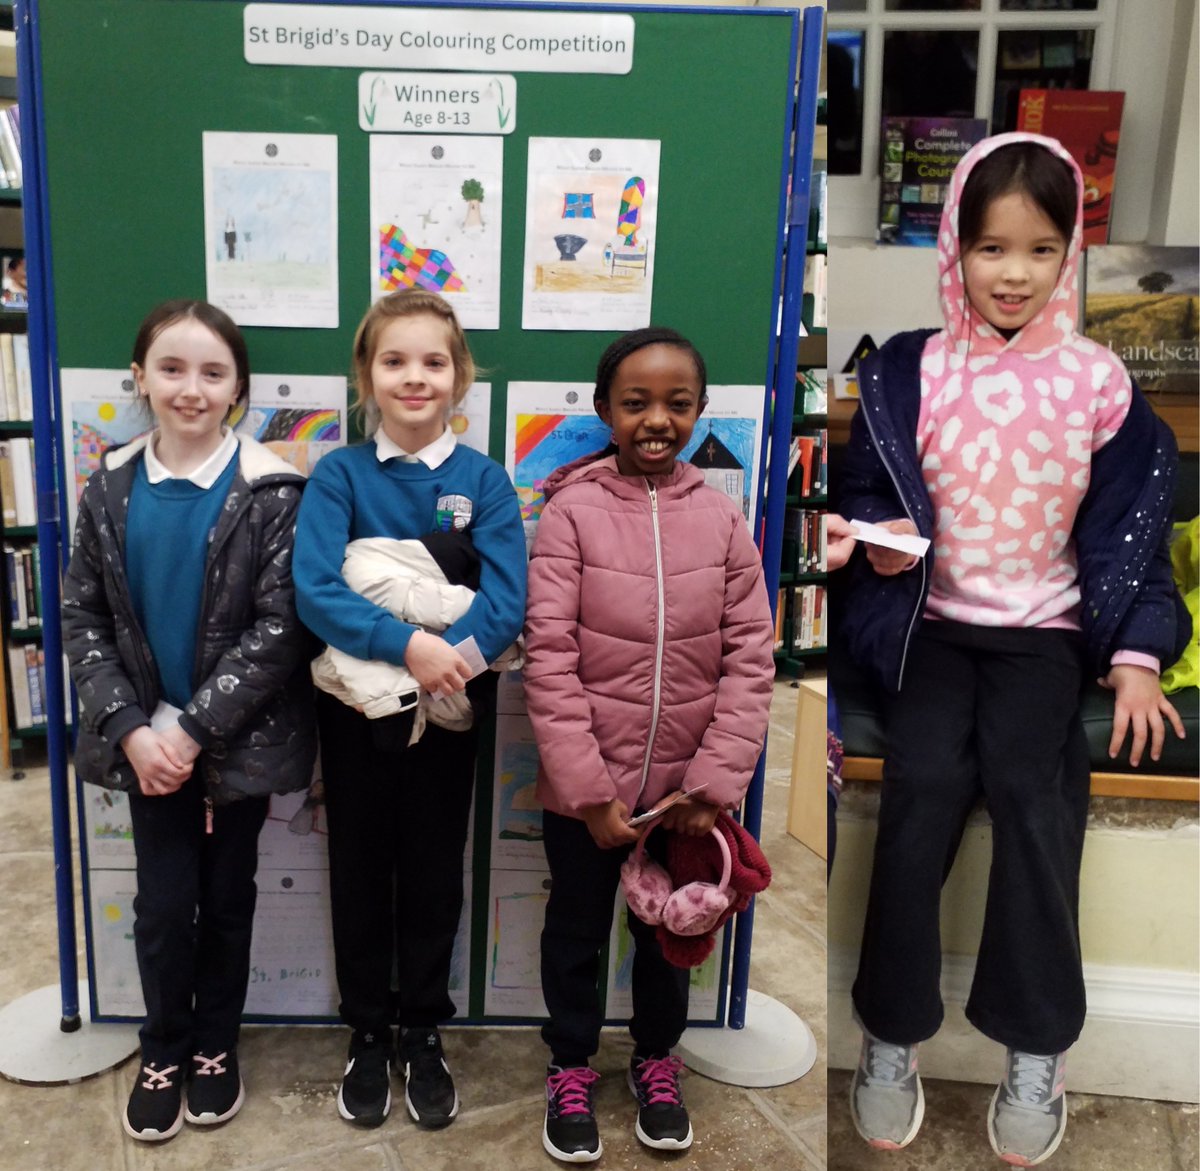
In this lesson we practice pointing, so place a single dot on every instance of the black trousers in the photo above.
(991, 711)
(579, 913)
(397, 830)
(193, 917)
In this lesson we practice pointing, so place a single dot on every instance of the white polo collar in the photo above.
(205, 476)
(433, 455)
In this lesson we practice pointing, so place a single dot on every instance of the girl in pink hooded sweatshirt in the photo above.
(1044, 482)
(648, 672)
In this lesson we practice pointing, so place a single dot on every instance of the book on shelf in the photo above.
(8, 491)
(808, 610)
(814, 391)
(780, 616)
(1088, 123)
(14, 580)
(14, 292)
(8, 373)
(20, 343)
(18, 685)
(816, 287)
(24, 491)
(10, 151)
(35, 660)
(918, 157)
(1142, 301)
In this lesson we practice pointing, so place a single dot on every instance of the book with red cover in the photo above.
(1088, 123)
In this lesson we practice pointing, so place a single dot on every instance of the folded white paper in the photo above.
(469, 649)
(877, 535)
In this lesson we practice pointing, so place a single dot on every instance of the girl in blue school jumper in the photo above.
(1044, 482)
(180, 627)
(398, 813)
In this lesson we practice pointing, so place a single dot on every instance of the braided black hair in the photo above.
(638, 339)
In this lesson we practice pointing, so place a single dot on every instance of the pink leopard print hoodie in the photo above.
(1005, 437)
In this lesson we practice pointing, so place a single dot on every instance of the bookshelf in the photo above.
(20, 618)
(802, 614)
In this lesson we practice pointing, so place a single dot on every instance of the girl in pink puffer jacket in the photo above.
(649, 671)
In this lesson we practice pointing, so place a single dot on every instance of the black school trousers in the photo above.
(193, 919)
(579, 915)
(991, 712)
(397, 831)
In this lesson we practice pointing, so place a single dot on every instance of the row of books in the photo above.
(812, 391)
(920, 154)
(801, 619)
(27, 684)
(16, 383)
(23, 573)
(803, 541)
(808, 464)
(10, 147)
(18, 494)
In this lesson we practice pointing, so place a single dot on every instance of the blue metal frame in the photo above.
(780, 414)
(50, 468)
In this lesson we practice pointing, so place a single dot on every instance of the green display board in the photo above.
(127, 88)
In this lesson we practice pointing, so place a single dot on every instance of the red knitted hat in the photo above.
(699, 860)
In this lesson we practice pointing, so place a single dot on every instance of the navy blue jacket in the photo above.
(1129, 599)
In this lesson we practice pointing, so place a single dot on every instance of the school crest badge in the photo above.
(453, 513)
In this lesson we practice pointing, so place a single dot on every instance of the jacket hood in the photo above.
(255, 460)
(966, 330)
(600, 465)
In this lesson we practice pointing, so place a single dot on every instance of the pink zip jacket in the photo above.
(648, 640)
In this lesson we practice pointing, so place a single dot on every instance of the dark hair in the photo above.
(1028, 169)
(169, 312)
(638, 339)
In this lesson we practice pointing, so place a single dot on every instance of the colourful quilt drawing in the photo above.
(402, 265)
(629, 218)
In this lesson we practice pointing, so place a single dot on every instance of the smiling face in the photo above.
(1011, 270)
(412, 379)
(652, 407)
(190, 380)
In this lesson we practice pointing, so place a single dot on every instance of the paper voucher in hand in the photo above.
(877, 535)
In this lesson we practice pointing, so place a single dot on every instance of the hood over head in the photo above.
(966, 330)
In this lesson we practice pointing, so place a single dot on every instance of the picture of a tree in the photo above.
(1155, 282)
(472, 192)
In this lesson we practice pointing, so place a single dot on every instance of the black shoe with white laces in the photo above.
(155, 1109)
(215, 1092)
(662, 1121)
(365, 1095)
(429, 1089)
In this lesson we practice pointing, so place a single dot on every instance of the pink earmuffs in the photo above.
(693, 909)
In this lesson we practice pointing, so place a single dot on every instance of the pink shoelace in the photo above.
(158, 1079)
(658, 1079)
(206, 1066)
(570, 1089)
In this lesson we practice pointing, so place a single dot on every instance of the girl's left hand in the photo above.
(435, 664)
(1140, 708)
(691, 817)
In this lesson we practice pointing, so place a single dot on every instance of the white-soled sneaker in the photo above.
(887, 1102)
(1028, 1114)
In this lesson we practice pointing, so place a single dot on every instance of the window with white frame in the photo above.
(945, 58)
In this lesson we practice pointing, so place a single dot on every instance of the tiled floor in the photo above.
(290, 1119)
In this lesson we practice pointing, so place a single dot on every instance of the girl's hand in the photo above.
(158, 767)
(839, 541)
(691, 816)
(607, 825)
(185, 748)
(1140, 709)
(435, 664)
(889, 562)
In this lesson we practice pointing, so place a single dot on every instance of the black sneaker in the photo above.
(570, 1133)
(365, 1095)
(428, 1087)
(662, 1120)
(215, 1093)
(155, 1109)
